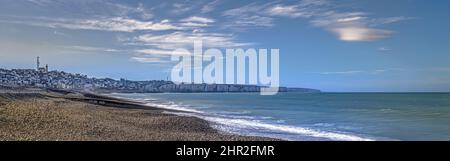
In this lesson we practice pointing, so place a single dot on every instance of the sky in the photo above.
(337, 46)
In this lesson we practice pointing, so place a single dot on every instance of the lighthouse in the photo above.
(38, 66)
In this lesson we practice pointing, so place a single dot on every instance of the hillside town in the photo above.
(41, 77)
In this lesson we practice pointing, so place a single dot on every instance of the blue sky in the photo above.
(347, 45)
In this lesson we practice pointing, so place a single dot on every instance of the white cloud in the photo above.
(355, 26)
(91, 49)
(350, 26)
(125, 10)
(351, 72)
(40, 2)
(379, 71)
(303, 9)
(210, 6)
(355, 33)
(333, 18)
(439, 69)
(161, 52)
(350, 19)
(250, 9)
(196, 22)
(193, 25)
(387, 20)
(148, 60)
(384, 49)
(251, 15)
(180, 8)
(287, 10)
(347, 26)
(59, 33)
(186, 40)
(143, 11)
(256, 14)
(343, 72)
(164, 45)
(251, 21)
(198, 19)
(95, 8)
(120, 24)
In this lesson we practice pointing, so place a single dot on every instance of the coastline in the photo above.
(31, 114)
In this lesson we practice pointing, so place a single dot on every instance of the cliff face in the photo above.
(198, 88)
(305, 90)
(187, 88)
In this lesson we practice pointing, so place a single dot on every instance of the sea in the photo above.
(315, 116)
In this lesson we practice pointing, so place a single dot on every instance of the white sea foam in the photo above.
(233, 112)
(173, 107)
(285, 128)
(255, 125)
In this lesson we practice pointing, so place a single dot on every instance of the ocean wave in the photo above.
(233, 112)
(230, 123)
(173, 107)
(153, 102)
(285, 128)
